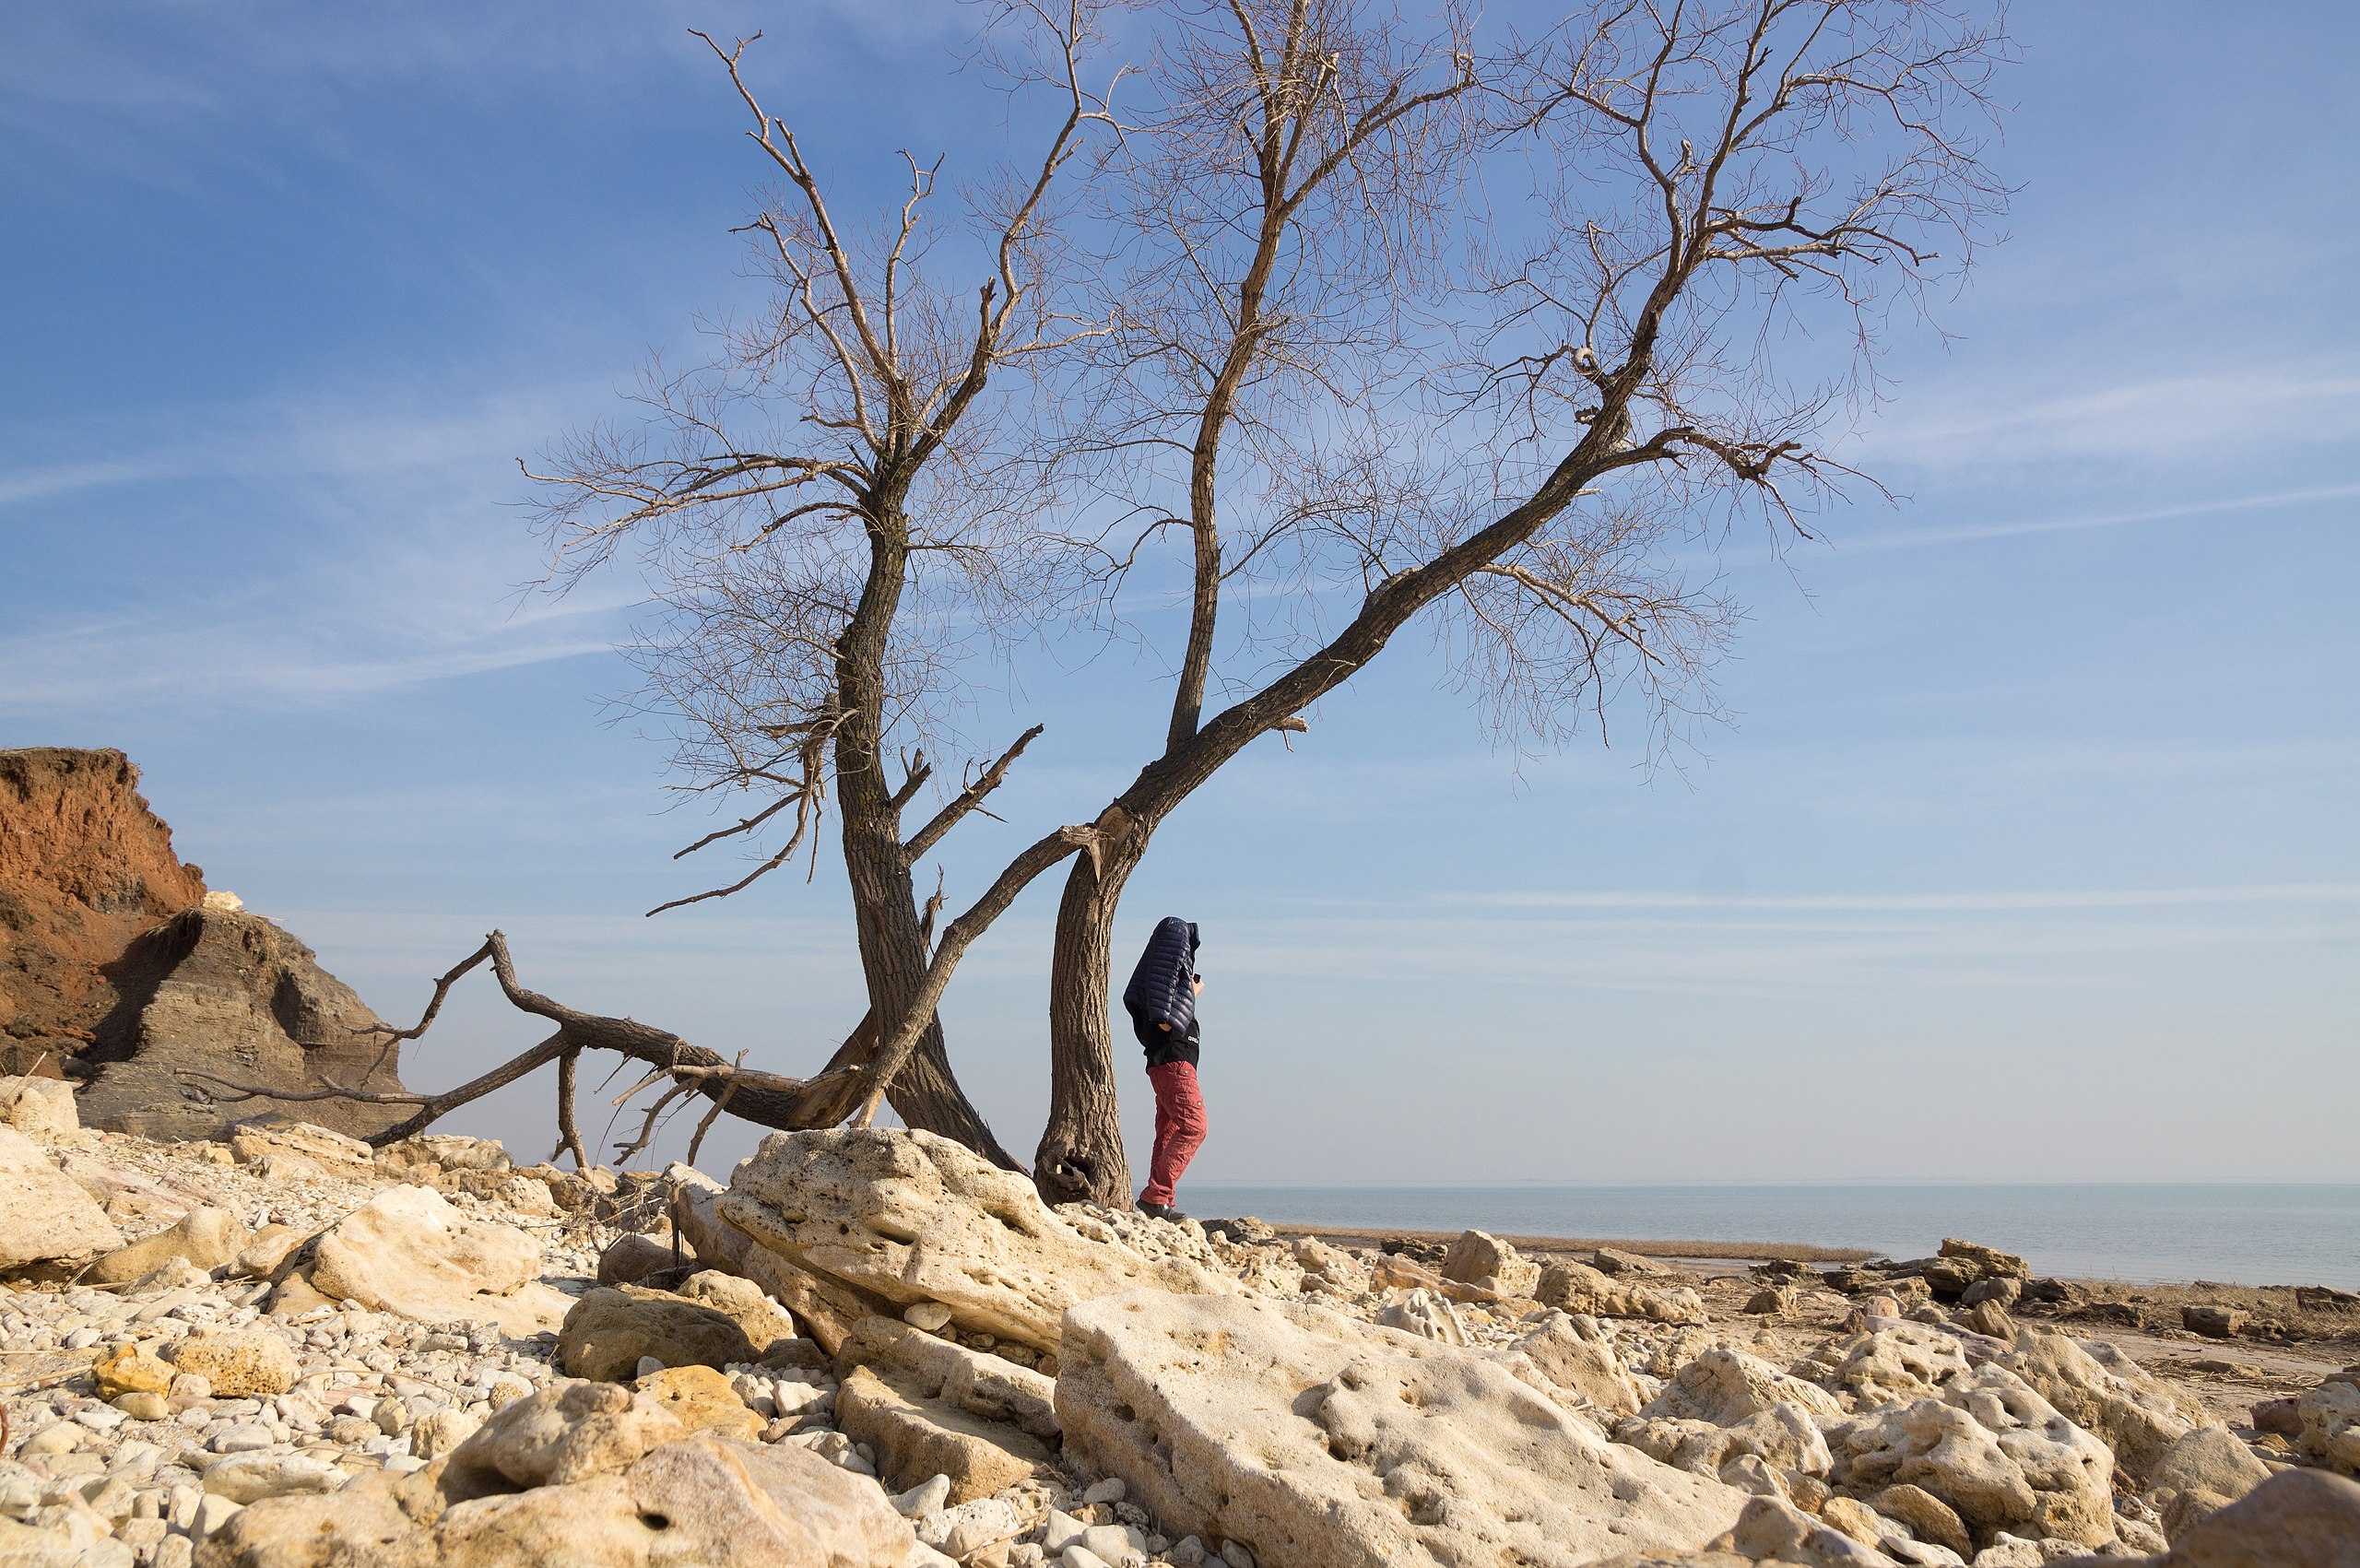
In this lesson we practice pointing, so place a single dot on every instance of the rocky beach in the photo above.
(250, 1322)
(282, 1347)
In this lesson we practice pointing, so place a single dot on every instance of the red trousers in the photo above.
(1179, 1128)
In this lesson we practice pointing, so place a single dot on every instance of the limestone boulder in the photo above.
(1621, 1264)
(571, 1431)
(44, 1214)
(406, 1251)
(607, 1332)
(765, 1322)
(41, 1108)
(349, 1530)
(1993, 1450)
(2306, 1518)
(916, 1436)
(2103, 1391)
(269, 1252)
(239, 1364)
(1895, 1361)
(2200, 1475)
(1426, 1315)
(699, 1502)
(635, 1258)
(1725, 1386)
(127, 1369)
(910, 1217)
(2328, 1418)
(975, 1380)
(1317, 1441)
(251, 1142)
(1927, 1515)
(1331, 1270)
(1479, 1258)
(249, 1478)
(702, 1400)
(1782, 1437)
(1580, 1367)
(204, 1238)
(1577, 1287)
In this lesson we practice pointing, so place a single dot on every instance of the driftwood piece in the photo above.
(771, 1100)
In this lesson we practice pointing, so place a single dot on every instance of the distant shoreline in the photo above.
(1733, 1252)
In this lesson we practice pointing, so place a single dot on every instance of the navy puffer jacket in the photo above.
(1160, 990)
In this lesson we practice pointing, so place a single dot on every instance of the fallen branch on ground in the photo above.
(770, 1100)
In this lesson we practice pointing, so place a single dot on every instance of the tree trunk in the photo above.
(885, 911)
(1081, 1159)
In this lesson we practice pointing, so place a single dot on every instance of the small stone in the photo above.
(127, 1369)
(932, 1316)
(648, 1367)
(239, 1361)
(1235, 1555)
(1111, 1489)
(926, 1497)
(242, 1437)
(213, 1511)
(61, 1438)
(2213, 1322)
(143, 1405)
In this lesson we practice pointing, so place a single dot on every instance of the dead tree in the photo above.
(1318, 395)
(818, 513)
(766, 1099)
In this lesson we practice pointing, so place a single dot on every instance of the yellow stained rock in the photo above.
(702, 1400)
(127, 1369)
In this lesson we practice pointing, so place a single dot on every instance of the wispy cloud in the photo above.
(2172, 421)
(404, 568)
(2267, 501)
(2112, 898)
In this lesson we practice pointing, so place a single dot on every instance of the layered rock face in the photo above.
(112, 952)
(85, 867)
(225, 993)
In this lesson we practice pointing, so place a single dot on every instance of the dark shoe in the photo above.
(1160, 1211)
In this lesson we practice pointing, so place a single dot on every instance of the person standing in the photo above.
(1161, 1000)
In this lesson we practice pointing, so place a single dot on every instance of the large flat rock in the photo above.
(910, 1217)
(1321, 1442)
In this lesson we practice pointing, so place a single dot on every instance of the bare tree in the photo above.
(1340, 377)
(830, 525)
(1330, 368)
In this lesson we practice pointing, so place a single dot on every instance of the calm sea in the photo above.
(2245, 1235)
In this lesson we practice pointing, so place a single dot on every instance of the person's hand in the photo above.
(1197, 983)
(1165, 1027)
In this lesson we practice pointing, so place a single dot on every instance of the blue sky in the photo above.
(2028, 854)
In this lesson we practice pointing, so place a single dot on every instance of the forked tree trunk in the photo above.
(1081, 1159)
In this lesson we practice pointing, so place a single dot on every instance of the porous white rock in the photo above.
(2104, 1392)
(1579, 1366)
(44, 1213)
(1895, 1361)
(1992, 1449)
(38, 1107)
(1319, 1442)
(2329, 1418)
(911, 1217)
(408, 1251)
(1427, 1315)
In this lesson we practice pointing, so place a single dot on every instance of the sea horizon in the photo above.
(2243, 1232)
